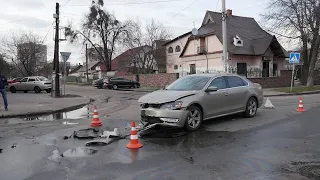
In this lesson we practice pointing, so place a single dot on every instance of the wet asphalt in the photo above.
(286, 148)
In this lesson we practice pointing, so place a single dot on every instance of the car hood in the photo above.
(164, 96)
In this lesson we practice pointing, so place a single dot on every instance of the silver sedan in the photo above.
(194, 98)
(32, 83)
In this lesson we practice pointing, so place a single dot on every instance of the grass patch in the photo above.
(297, 89)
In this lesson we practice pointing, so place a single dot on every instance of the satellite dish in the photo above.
(194, 31)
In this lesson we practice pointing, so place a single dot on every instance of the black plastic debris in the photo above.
(14, 145)
(89, 133)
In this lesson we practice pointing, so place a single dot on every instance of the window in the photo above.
(192, 69)
(178, 49)
(219, 83)
(235, 81)
(24, 80)
(43, 79)
(170, 50)
(189, 83)
(32, 79)
(175, 66)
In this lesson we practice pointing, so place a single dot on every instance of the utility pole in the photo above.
(224, 36)
(87, 63)
(56, 53)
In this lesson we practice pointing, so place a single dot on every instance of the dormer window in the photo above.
(237, 41)
(170, 50)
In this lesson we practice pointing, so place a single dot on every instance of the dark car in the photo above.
(115, 83)
(98, 83)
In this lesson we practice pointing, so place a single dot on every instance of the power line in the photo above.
(66, 3)
(185, 8)
(217, 4)
(128, 3)
(45, 37)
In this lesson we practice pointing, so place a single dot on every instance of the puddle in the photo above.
(79, 152)
(75, 114)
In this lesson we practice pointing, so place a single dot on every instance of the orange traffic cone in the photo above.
(95, 122)
(301, 108)
(134, 142)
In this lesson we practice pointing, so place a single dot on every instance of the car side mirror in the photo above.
(211, 89)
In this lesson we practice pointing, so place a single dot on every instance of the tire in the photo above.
(25, 91)
(13, 89)
(251, 108)
(195, 114)
(48, 90)
(115, 87)
(37, 89)
(135, 86)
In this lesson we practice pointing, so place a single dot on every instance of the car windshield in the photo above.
(43, 79)
(189, 83)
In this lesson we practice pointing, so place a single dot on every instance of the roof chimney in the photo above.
(229, 12)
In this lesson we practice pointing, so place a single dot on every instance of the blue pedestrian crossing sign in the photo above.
(294, 58)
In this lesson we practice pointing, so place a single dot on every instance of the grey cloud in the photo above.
(30, 22)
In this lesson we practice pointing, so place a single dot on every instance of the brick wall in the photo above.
(154, 80)
(161, 80)
(272, 82)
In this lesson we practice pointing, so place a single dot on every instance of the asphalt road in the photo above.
(276, 144)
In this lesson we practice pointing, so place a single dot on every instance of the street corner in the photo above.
(44, 106)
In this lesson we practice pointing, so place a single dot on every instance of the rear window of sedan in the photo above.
(189, 83)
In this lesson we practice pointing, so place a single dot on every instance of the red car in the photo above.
(14, 80)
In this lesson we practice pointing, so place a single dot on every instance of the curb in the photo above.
(294, 94)
(47, 112)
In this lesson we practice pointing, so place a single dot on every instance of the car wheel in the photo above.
(136, 86)
(115, 86)
(13, 89)
(25, 91)
(37, 89)
(48, 90)
(251, 108)
(194, 119)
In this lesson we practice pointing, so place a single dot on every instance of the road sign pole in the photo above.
(65, 77)
(292, 78)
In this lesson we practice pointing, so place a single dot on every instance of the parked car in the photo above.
(194, 98)
(115, 83)
(11, 81)
(98, 83)
(32, 83)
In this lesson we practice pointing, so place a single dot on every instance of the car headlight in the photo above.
(172, 105)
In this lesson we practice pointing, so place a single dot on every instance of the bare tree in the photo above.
(101, 29)
(144, 40)
(25, 50)
(4, 66)
(299, 19)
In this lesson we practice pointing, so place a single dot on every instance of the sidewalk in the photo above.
(21, 104)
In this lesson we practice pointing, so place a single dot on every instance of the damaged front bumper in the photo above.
(164, 117)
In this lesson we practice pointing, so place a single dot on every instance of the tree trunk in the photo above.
(310, 81)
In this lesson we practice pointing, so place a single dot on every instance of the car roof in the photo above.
(34, 76)
(213, 74)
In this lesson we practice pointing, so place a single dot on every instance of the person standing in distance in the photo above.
(3, 83)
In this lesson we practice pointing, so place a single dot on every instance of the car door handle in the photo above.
(227, 94)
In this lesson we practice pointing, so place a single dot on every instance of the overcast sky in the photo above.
(179, 15)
